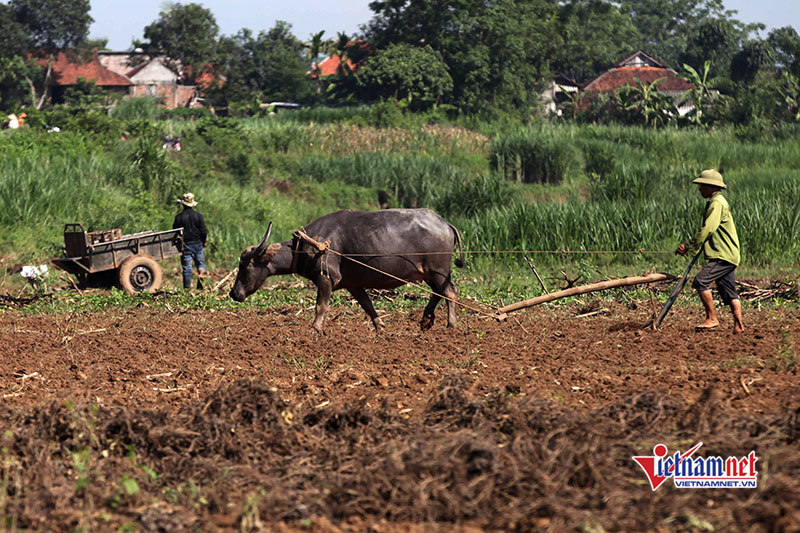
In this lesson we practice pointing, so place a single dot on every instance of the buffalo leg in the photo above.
(442, 286)
(366, 304)
(451, 291)
(428, 317)
(324, 290)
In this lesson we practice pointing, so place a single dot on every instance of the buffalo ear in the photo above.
(262, 246)
(267, 255)
(273, 249)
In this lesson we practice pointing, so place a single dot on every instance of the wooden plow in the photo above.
(583, 289)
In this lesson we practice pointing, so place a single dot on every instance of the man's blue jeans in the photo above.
(192, 252)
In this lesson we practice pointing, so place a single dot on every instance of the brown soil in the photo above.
(246, 420)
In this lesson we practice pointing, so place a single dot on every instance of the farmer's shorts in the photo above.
(721, 272)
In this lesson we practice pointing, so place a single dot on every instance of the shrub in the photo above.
(409, 180)
(240, 166)
(600, 161)
(155, 173)
(143, 108)
(532, 157)
(144, 128)
(185, 113)
(385, 114)
(473, 196)
(223, 133)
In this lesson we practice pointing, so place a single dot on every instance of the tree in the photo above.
(496, 52)
(686, 31)
(593, 35)
(51, 27)
(786, 44)
(754, 56)
(85, 94)
(12, 34)
(773, 97)
(16, 83)
(315, 46)
(270, 66)
(187, 35)
(714, 40)
(701, 94)
(414, 75)
(665, 24)
(656, 108)
(14, 71)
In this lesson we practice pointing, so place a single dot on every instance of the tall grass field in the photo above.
(544, 187)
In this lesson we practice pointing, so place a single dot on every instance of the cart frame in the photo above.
(88, 253)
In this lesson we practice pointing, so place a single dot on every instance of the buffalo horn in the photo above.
(262, 247)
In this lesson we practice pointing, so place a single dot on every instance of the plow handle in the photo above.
(676, 291)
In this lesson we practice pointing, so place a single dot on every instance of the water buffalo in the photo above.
(411, 244)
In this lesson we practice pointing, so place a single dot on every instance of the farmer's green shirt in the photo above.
(718, 236)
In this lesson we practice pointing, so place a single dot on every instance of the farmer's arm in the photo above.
(710, 225)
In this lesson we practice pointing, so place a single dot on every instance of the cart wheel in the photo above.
(140, 273)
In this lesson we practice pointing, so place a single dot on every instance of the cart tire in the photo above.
(140, 273)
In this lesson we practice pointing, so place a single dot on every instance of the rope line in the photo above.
(325, 247)
(555, 252)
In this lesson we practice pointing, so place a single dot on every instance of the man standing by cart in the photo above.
(194, 240)
(720, 245)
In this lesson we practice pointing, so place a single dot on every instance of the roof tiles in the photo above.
(615, 78)
(66, 71)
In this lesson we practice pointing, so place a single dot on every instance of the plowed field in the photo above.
(201, 420)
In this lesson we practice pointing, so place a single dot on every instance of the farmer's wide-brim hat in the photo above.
(710, 177)
(188, 200)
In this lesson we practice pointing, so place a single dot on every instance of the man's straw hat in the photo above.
(710, 177)
(188, 200)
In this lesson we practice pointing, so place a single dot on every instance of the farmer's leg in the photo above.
(736, 309)
(711, 315)
(701, 283)
(727, 290)
(186, 262)
(200, 262)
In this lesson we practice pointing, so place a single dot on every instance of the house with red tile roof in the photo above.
(644, 67)
(639, 65)
(67, 69)
(150, 76)
(133, 74)
(332, 65)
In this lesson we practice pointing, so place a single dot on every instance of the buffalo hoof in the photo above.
(426, 323)
(379, 325)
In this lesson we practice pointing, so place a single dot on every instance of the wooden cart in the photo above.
(132, 257)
